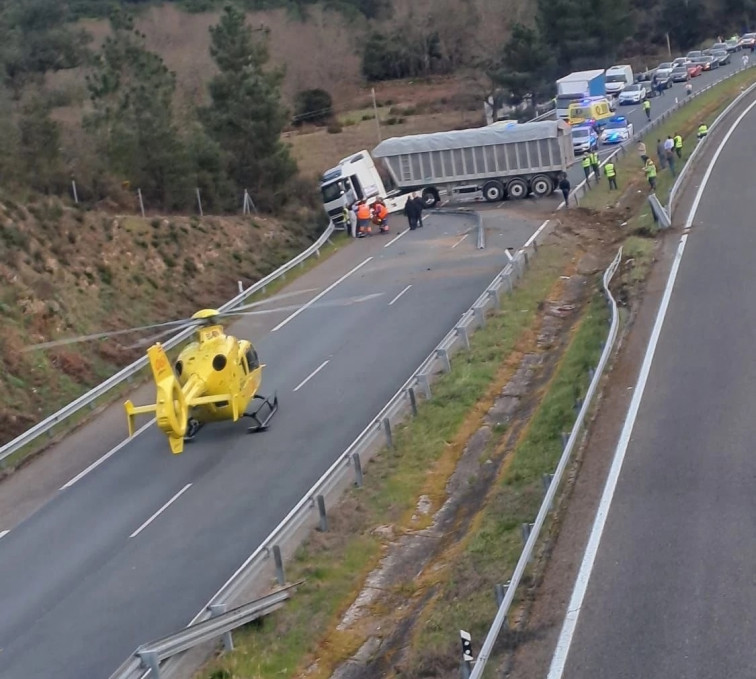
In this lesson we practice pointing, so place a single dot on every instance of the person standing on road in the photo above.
(586, 165)
(594, 158)
(678, 144)
(411, 212)
(650, 170)
(661, 154)
(564, 187)
(647, 108)
(363, 219)
(611, 174)
(642, 152)
(419, 207)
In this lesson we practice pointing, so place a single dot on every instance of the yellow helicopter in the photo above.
(213, 379)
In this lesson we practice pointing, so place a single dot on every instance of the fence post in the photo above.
(278, 560)
(387, 430)
(323, 527)
(141, 202)
(358, 480)
(228, 640)
(412, 400)
(75, 194)
(199, 203)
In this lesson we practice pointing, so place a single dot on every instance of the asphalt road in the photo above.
(88, 577)
(673, 587)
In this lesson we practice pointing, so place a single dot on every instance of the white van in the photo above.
(617, 77)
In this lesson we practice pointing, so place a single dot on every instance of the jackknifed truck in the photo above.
(503, 160)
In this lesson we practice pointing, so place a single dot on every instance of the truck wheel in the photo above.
(517, 188)
(429, 198)
(541, 185)
(493, 191)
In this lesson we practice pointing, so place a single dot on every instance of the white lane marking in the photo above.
(3, 533)
(400, 294)
(562, 650)
(311, 375)
(107, 455)
(161, 510)
(459, 241)
(318, 296)
(537, 233)
(509, 254)
(396, 238)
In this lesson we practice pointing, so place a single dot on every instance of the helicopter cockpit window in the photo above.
(252, 360)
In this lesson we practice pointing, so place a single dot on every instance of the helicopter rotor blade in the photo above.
(346, 301)
(270, 300)
(188, 322)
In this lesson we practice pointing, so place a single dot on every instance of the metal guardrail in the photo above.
(474, 215)
(548, 500)
(128, 372)
(149, 656)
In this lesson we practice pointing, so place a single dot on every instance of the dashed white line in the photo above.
(459, 241)
(3, 533)
(161, 510)
(396, 238)
(400, 294)
(318, 296)
(107, 455)
(311, 375)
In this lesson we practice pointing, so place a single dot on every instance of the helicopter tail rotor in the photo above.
(170, 407)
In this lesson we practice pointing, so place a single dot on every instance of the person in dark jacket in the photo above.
(412, 212)
(564, 186)
(420, 207)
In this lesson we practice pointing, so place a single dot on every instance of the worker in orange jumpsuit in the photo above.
(380, 216)
(363, 219)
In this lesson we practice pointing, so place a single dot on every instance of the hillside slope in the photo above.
(68, 272)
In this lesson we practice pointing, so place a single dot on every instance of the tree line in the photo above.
(131, 136)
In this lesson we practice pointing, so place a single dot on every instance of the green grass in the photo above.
(288, 641)
(704, 108)
(467, 596)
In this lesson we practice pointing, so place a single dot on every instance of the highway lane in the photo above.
(79, 594)
(673, 587)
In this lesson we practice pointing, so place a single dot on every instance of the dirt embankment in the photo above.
(65, 271)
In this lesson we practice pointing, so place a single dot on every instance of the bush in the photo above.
(334, 127)
(312, 106)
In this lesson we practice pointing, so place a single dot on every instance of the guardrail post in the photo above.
(501, 591)
(443, 354)
(480, 312)
(278, 560)
(228, 640)
(578, 404)
(323, 527)
(387, 430)
(526, 528)
(546, 479)
(565, 438)
(150, 660)
(495, 295)
(461, 331)
(425, 381)
(412, 400)
(358, 480)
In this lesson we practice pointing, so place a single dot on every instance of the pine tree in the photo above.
(246, 116)
(132, 95)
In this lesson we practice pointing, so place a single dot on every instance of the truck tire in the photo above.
(517, 188)
(429, 198)
(541, 185)
(493, 191)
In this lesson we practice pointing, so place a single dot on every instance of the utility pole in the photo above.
(669, 47)
(375, 113)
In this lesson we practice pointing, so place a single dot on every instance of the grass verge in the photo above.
(335, 565)
(630, 175)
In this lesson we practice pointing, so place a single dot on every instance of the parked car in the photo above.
(748, 40)
(680, 74)
(719, 46)
(680, 61)
(722, 56)
(693, 54)
(733, 45)
(694, 69)
(705, 62)
(645, 76)
(584, 137)
(617, 130)
(632, 94)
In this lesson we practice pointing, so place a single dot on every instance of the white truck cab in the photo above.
(355, 178)
(618, 77)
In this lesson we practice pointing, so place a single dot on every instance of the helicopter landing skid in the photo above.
(264, 413)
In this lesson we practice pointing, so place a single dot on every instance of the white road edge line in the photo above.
(311, 375)
(559, 661)
(161, 510)
(107, 455)
(459, 241)
(396, 238)
(537, 233)
(3, 533)
(319, 295)
(400, 294)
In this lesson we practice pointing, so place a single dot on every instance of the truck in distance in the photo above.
(577, 86)
(501, 160)
(618, 77)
